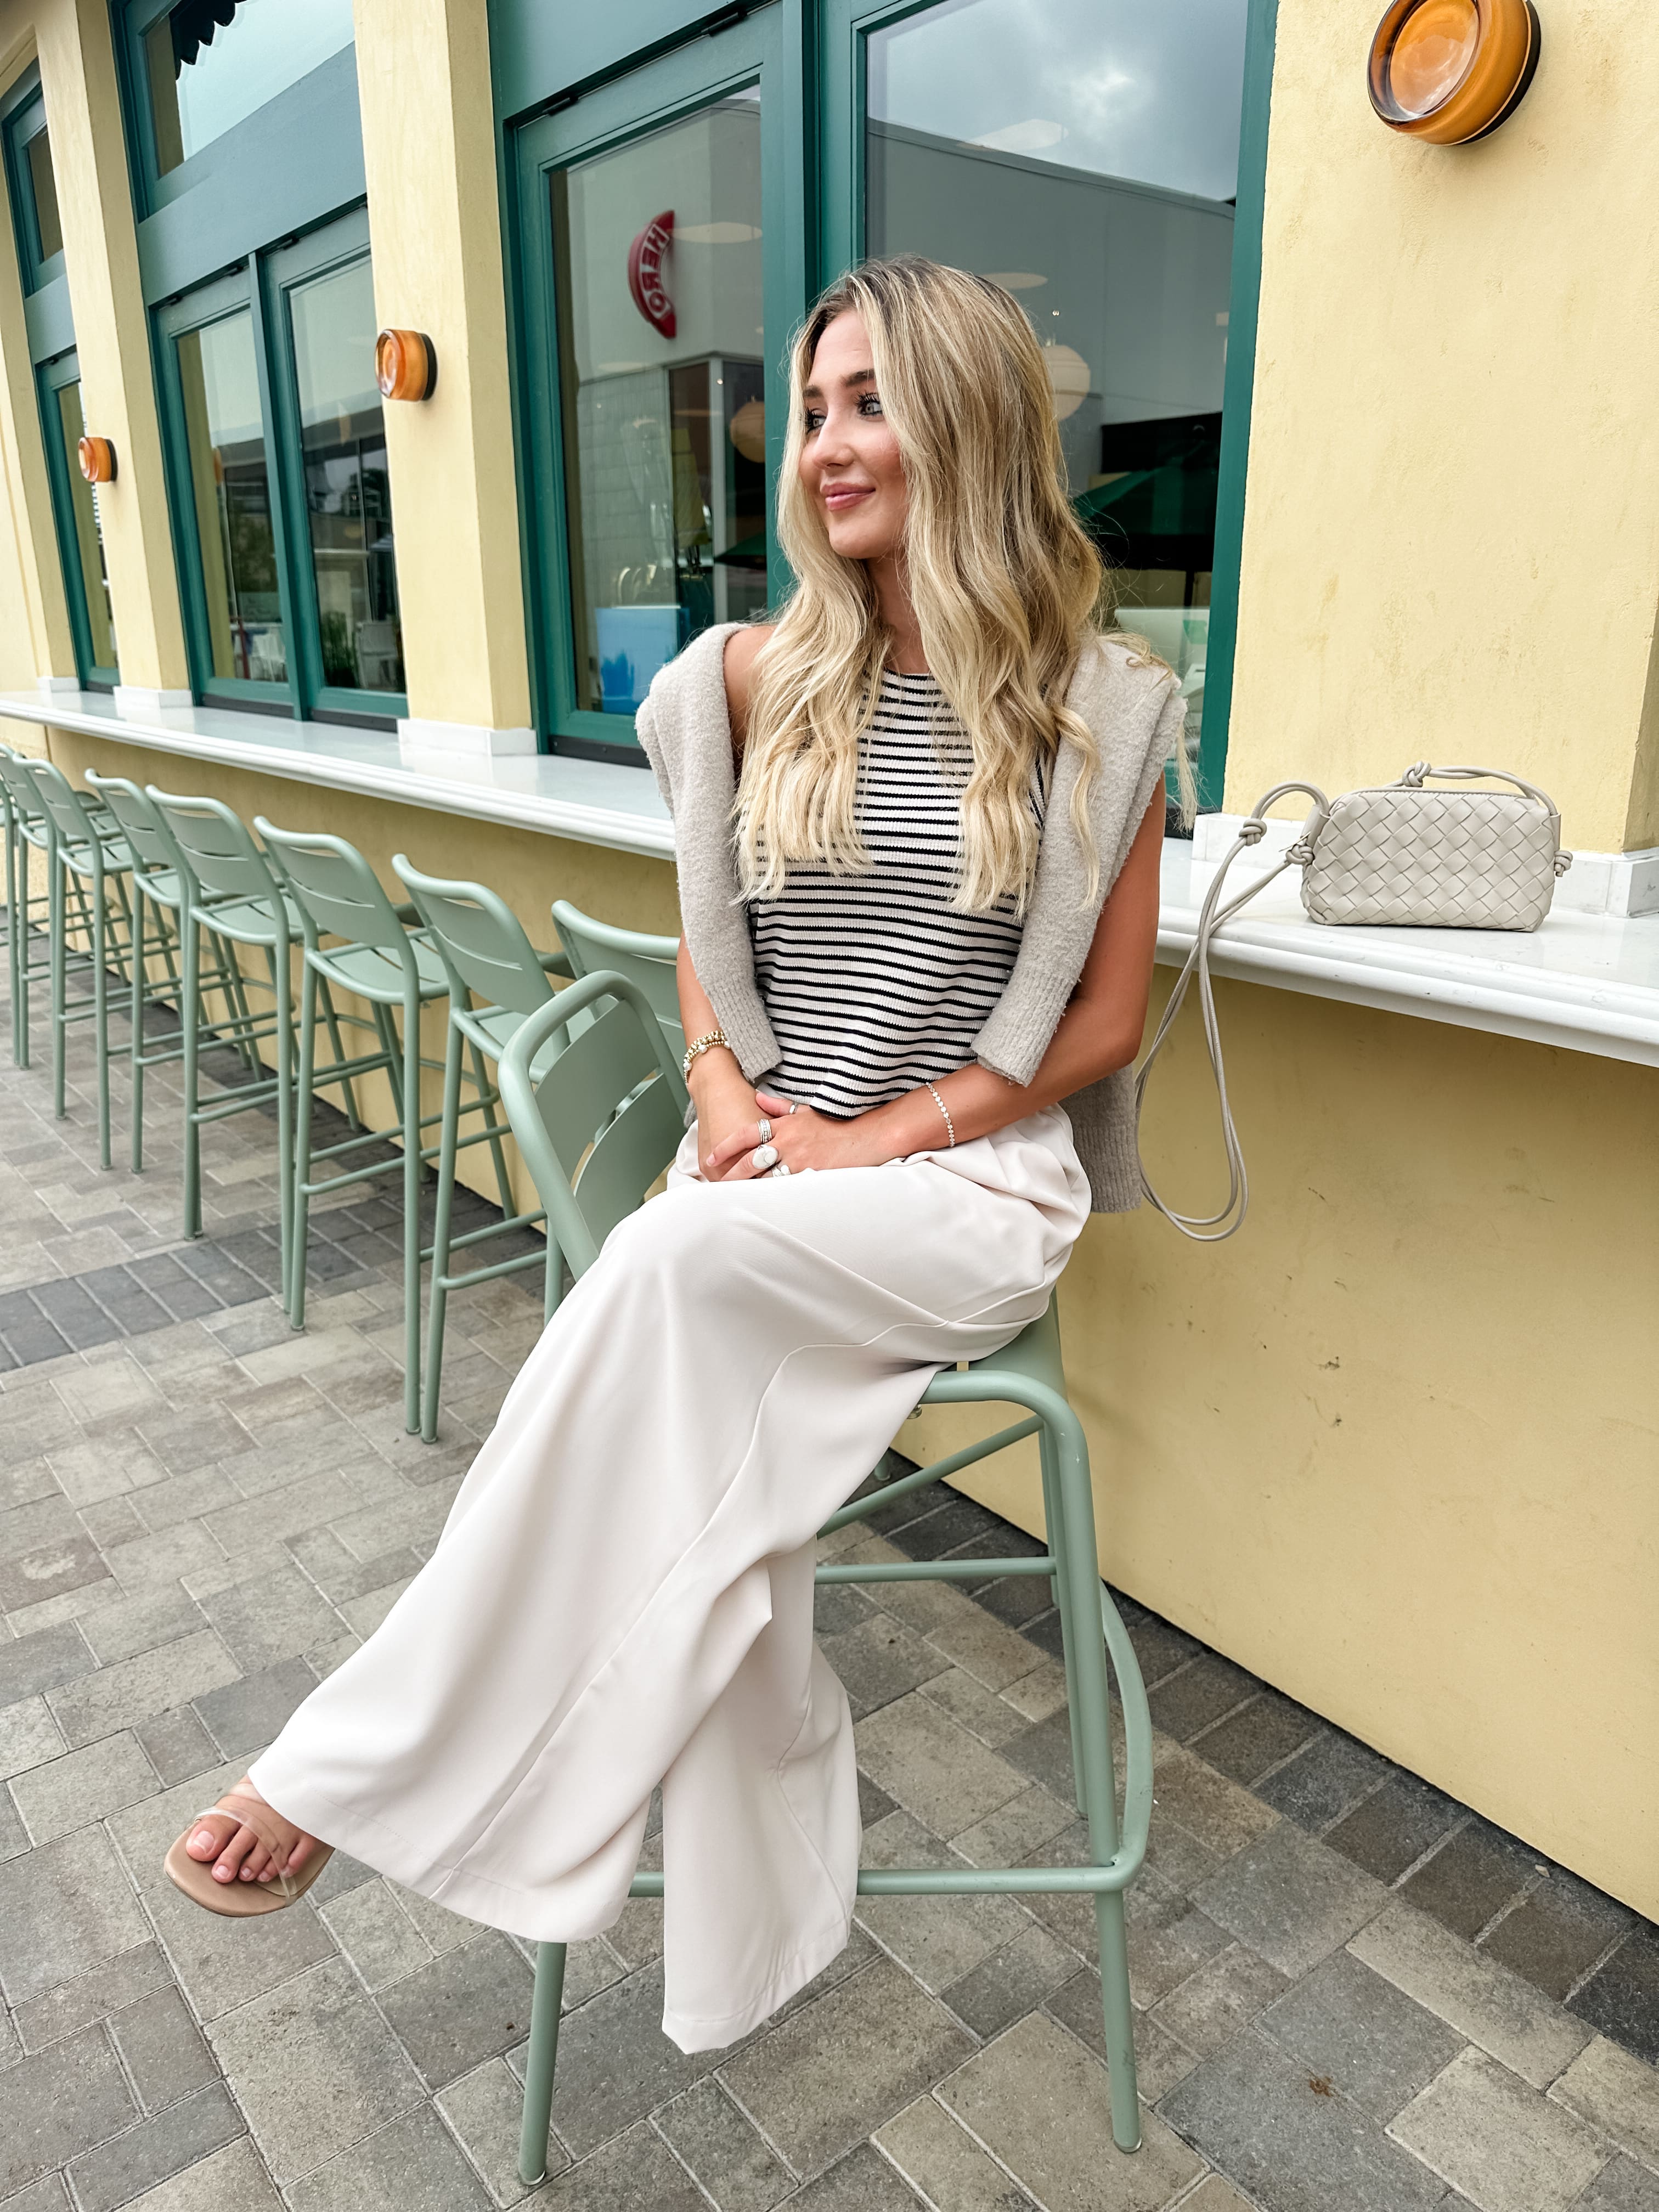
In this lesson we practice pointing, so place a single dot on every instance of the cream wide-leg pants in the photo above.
(623, 1594)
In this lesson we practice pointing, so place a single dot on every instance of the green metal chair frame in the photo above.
(85, 850)
(496, 979)
(158, 887)
(389, 959)
(587, 1187)
(236, 895)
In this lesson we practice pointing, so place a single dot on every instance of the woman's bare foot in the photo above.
(239, 1853)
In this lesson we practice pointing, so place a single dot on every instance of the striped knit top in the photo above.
(873, 983)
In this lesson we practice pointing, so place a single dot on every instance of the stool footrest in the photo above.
(949, 1570)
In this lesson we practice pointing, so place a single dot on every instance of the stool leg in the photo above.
(294, 1284)
(1054, 1522)
(411, 1114)
(281, 980)
(140, 936)
(101, 1006)
(14, 933)
(449, 1131)
(190, 1009)
(1086, 1640)
(540, 2060)
(58, 922)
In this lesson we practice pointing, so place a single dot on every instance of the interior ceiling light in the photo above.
(1452, 70)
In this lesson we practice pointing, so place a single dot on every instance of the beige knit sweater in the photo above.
(1135, 711)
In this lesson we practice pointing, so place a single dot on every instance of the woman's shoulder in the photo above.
(740, 652)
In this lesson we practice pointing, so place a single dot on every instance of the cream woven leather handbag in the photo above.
(1397, 855)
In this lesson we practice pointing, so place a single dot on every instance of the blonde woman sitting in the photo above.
(919, 819)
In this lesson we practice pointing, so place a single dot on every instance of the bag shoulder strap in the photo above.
(1214, 1228)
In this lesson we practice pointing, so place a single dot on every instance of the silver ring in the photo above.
(764, 1129)
(765, 1157)
(793, 1103)
(782, 1168)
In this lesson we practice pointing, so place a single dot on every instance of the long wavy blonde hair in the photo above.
(1006, 584)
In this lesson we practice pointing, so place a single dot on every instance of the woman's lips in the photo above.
(841, 496)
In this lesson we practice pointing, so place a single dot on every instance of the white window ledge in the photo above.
(1588, 981)
(597, 802)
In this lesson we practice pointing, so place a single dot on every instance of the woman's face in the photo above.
(850, 462)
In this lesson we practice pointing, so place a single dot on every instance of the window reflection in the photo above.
(1085, 154)
(224, 430)
(211, 63)
(348, 488)
(43, 186)
(659, 291)
(88, 549)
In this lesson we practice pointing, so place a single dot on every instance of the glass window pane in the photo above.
(206, 75)
(44, 185)
(230, 482)
(87, 551)
(348, 488)
(660, 345)
(1084, 153)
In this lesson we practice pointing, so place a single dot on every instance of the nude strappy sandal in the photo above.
(239, 1900)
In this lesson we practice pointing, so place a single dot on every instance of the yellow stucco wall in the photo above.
(1396, 1447)
(1451, 543)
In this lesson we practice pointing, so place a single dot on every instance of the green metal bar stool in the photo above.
(397, 970)
(28, 909)
(586, 1187)
(160, 886)
(85, 850)
(496, 979)
(36, 953)
(236, 895)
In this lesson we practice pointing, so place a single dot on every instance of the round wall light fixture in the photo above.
(97, 459)
(405, 365)
(1452, 70)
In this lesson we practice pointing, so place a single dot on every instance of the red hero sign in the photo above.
(645, 272)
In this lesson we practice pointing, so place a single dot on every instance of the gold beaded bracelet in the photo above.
(950, 1125)
(698, 1046)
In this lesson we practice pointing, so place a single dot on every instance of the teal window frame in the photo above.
(50, 378)
(262, 286)
(281, 197)
(632, 104)
(847, 25)
(548, 67)
(22, 119)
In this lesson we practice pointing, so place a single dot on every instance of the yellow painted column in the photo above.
(100, 257)
(43, 638)
(430, 152)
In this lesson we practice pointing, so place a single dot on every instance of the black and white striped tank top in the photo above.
(871, 982)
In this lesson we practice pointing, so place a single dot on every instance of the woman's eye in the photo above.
(814, 420)
(870, 404)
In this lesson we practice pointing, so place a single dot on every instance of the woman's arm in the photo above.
(724, 1100)
(1099, 1032)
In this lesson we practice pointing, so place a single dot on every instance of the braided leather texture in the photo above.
(1433, 859)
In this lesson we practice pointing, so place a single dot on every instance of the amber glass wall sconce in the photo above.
(97, 459)
(1452, 70)
(405, 365)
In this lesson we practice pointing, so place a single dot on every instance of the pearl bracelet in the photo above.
(950, 1125)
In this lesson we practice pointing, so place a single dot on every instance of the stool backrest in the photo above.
(593, 1127)
(648, 962)
(218, 848)
(482, 940)
(337, 893)
(31, 817)
(153, 848)
(62, 801)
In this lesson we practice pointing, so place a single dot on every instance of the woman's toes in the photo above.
(203, 1843)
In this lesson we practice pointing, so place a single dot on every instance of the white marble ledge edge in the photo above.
(1588, 982)
(595, 802)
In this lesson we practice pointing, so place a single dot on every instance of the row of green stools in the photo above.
(176, 901)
